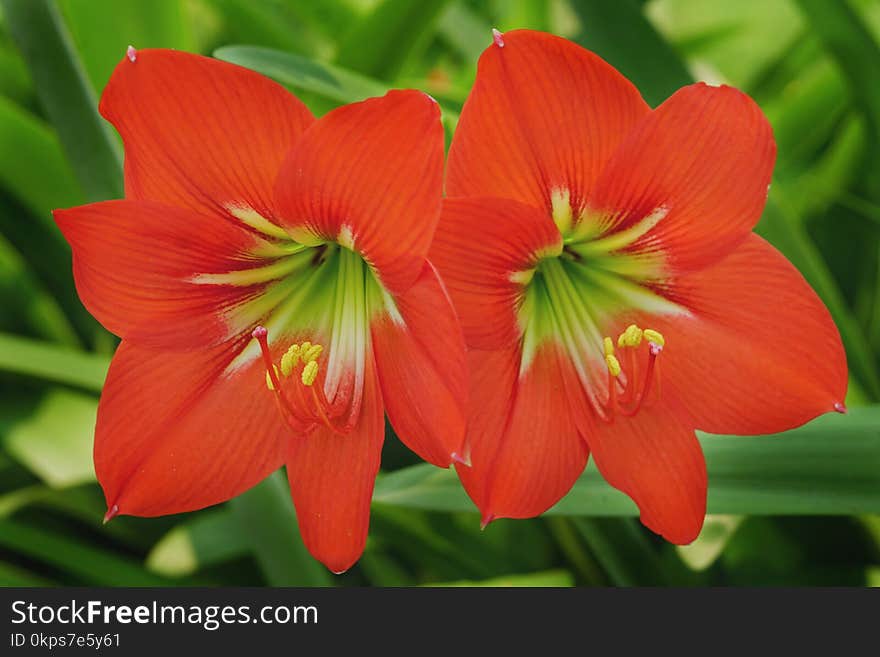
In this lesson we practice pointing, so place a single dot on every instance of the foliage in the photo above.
(813, 65)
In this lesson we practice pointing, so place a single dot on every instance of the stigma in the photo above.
(627, 397)
(302, 403)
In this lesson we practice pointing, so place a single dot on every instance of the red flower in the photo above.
(576, 214)
(241, 211)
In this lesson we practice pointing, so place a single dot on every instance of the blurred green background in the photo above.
(794, 509)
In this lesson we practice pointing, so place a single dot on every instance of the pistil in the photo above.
(306, 354)
(630, 402)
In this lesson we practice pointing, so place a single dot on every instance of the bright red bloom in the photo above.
(242, 211)
(575, 214)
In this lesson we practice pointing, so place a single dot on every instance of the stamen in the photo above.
(310, 371)
(654, 336)
(269, 383)
(613, 365)
(631, 401)
(608, 346)
(290, 360)
(312, 353)
(631, 337)
(294, 419)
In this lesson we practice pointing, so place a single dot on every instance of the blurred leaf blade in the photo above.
(102, 29)
(66, 95)
(55, 442)
(619, 32)
(31, 154)
(265, 514)
(303, 73)
(394, 30)
(95, 566)
(50, 362)
(830, 466)
(211, 538)
(546, 579)
(857, 53)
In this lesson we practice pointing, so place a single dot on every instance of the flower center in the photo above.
(626, 395)
(312, 302)
(587, 287)
(302, 404)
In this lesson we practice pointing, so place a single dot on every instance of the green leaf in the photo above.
(13, 576)
(830, 466)
(66, 95)
(37, 313)
(619, 32)
(788, 235)
(303, 73)
(385, 39)
(735, 38)
(94, 566)
(622, 548)
(269, 24)
(14, 81)
(30, 156)
(212, 537)
(547, 578)
(47, 258)
(50, 362)
(717, 532)
(465, 31)
(850, 43)
(265, 515)
(55, 442)
(103, 29)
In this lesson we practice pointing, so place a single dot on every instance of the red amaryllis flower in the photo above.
(611, 292)
(243, 211)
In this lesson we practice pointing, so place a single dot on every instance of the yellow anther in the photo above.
(290, 360)
(613, 364)
(269, 378)
(312, 353)
(305, 346)
(608, 345)
(655, 336)
(631, 337)
(310, 371)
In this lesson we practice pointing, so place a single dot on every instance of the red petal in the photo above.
(760, 353)
(479, 244)
(656, 459)
(420, 358)
(176, 432)
(200, 133)
(331, 480)
(525, 449)
(704, 158)
(134, 263)
(371, 173)
(543, 113)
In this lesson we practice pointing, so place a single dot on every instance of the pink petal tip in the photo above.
(486, 519)
(840, 407)
(463, 460)
(112, 512)
(498, 38)
(131, 53)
